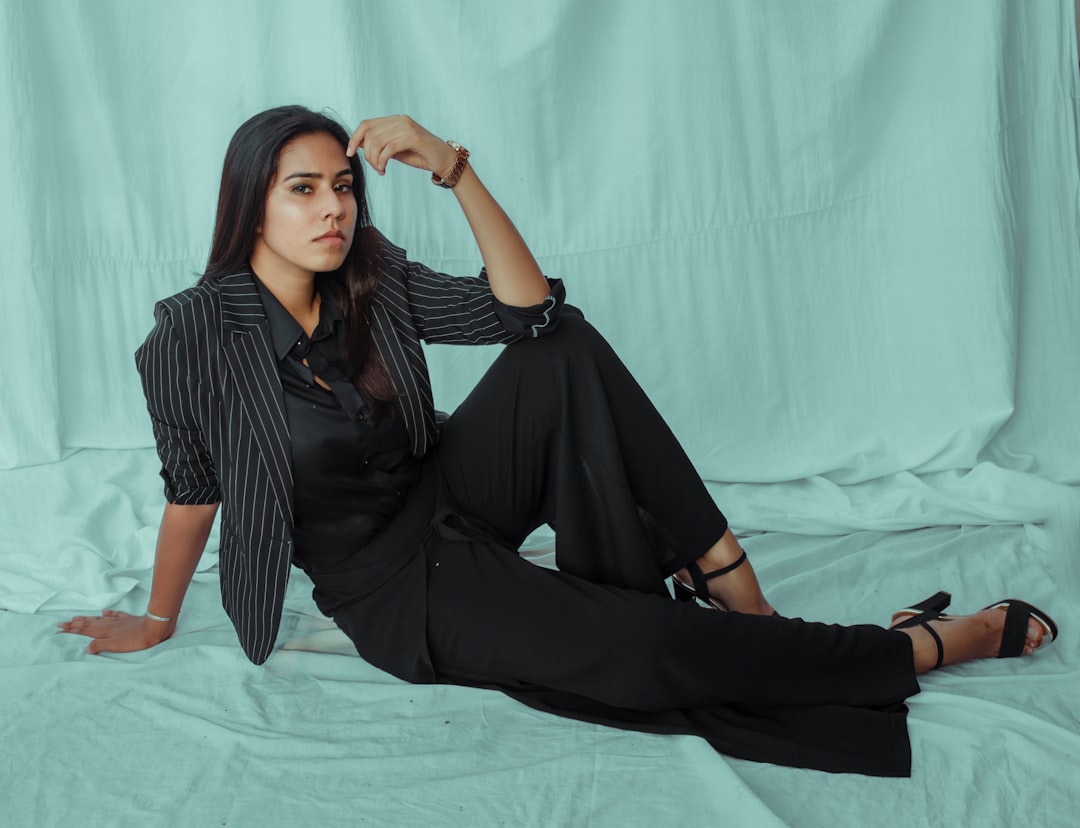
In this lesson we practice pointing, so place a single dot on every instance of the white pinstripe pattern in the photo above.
(216, 404)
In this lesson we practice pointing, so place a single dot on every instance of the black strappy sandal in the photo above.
(1017, 613)
(700, 589)
(938, 602)
(1013, 635)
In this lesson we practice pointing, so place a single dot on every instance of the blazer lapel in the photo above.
(414, 401)
(254, 376)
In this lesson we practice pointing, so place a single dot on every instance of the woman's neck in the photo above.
(295, 291)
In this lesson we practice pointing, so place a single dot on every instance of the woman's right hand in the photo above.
(118, 632)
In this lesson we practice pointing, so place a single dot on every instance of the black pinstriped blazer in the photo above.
(216, 403)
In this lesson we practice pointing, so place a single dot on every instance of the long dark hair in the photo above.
(250, 165)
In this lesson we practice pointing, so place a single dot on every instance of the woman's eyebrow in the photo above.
(340, 173)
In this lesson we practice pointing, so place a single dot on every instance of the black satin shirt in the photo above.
(350, 473)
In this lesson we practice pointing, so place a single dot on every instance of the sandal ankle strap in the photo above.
(923, 620)
(699, 578)
(724, 570)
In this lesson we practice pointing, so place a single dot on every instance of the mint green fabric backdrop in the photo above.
(837, 241)
(832, 238)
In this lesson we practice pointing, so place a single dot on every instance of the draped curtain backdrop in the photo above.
(836, 241)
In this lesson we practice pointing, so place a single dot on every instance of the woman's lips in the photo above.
(335, 238)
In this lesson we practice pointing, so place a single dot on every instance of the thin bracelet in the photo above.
(153, 617)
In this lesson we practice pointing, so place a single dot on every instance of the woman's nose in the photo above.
(333, 206)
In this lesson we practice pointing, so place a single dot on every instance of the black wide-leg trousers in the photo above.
(558, 431)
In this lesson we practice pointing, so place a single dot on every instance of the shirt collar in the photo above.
(285, 331)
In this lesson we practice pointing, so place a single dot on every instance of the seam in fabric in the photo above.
(550, 298)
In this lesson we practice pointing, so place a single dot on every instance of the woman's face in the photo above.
(310, 211)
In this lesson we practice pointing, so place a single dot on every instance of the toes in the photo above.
(1035, 633)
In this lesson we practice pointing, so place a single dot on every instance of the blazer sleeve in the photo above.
(186, 468)
(463, 310)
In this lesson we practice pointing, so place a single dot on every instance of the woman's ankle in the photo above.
(737, 589)
(963, 638)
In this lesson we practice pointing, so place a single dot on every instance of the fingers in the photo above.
(388, 151)
(93, 625)
(372, 131)
(356, 140)
(113, 632)
(371, 154)
(382, 141)
(81, 625)
(394, 137)
(110, 645)
(362, 139)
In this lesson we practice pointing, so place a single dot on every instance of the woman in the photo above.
(289, 387)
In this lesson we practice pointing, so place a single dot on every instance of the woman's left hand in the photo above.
(401, 138)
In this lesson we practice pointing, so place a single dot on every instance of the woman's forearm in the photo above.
(514, 275)
(512, 271)
(181, 540)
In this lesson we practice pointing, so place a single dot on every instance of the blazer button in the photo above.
(360, 418)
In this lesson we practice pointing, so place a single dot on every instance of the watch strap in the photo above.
(451, 178)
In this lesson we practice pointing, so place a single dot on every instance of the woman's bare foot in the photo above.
(738, 590)
(965, 638)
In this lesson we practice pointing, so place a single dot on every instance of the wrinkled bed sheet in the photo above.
(191, 733)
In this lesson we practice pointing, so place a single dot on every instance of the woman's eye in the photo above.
(301, 188)
(343, 188)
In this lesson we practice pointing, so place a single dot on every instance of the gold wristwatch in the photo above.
(452, 177)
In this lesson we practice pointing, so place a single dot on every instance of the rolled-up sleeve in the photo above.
(463, 310)
(186, 466)
(533, 321)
